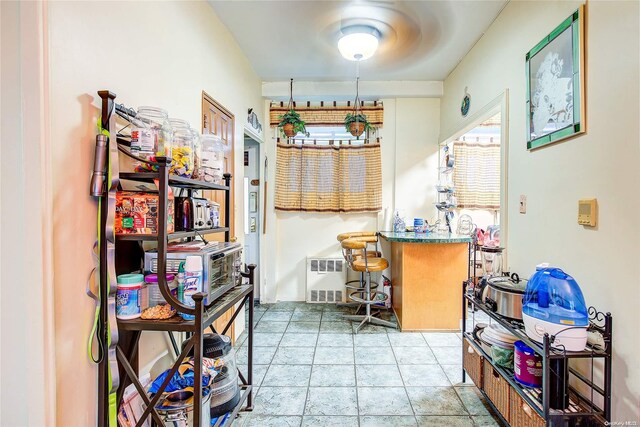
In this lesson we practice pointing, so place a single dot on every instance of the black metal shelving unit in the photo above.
(582, 410)
(127, 332)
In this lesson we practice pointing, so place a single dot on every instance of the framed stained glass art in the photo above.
(555, 84)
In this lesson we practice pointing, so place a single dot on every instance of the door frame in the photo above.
(208, 98)
(499, 104)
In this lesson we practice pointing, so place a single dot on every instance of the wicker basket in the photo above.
(472, 363)
(521, 414)
(497, 389)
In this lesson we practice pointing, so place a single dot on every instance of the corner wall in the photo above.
(409, 151)
(603, 163)
(149, 53)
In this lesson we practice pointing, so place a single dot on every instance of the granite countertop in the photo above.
(424, 237)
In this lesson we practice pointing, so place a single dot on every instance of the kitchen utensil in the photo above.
(503, 296)
(177, 409)
(553, 304)
(527, 365)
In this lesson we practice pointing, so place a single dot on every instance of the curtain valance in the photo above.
(327, 114)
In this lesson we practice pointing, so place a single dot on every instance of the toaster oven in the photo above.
(221, 266)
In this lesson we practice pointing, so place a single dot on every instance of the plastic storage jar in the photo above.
(129, 304)
(155, 296)
(182, 149)
(212, 158)
(152, 136)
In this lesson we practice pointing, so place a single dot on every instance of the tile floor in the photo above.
(310, 369)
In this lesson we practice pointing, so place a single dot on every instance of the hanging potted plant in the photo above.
(356, 123)
(291, 124)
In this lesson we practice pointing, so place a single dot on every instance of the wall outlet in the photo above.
(523, 204)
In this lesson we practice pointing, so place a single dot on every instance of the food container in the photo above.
(491, 260)
(137, 213)
(212, 158)
(155, 296)
(527, 365)
(151, 136)
(502, 356)
(182, 149)
(129, 296)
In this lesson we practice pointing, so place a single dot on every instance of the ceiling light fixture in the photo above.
(358, 42)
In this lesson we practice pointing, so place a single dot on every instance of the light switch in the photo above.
(523, 204)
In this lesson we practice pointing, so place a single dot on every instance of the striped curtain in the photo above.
(328, 178)
(327, 115)
(476, 175)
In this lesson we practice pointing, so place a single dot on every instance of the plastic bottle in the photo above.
(192, 282)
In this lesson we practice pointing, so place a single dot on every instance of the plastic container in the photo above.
(129, 298)
(182, 160)
(152, 136)
(527, 365)
(155, 296)
(212, 158)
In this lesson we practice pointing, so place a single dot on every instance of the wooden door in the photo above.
(217, 120)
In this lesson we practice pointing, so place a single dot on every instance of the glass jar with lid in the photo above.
(197, 154)
(151, 136)
(212, 158)
(182, 149)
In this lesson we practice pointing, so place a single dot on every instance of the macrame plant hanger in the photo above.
(357, 110)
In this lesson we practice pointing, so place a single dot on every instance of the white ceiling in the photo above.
(422, 40)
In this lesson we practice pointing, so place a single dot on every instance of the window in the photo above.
(328, 171)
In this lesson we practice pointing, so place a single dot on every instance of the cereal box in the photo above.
(137, 213)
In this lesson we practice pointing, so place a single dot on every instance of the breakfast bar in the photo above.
(427, 271)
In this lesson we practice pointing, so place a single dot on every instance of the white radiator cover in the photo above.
(325, 280)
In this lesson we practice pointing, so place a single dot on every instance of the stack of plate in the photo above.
(501, 342)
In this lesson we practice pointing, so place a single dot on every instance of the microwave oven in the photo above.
(221, 267)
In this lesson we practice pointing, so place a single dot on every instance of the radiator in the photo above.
(325, 280)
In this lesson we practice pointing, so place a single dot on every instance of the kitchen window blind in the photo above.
(328, 178)
(476, 175)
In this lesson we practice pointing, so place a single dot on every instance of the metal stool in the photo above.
(356, 254)
(368, 237)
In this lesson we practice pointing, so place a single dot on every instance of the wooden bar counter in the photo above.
(427, 271)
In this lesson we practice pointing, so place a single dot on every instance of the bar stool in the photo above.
(356, 254)
(370, 238)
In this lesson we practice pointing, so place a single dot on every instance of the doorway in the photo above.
(252, 203)
(479, 150)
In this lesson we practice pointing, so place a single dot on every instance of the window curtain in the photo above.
(476, 175)
(328, 178)
(327, 114)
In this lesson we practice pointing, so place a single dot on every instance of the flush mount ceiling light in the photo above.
(358, 42)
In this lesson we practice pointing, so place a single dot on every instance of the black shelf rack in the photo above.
(127, 334)
(581, 407)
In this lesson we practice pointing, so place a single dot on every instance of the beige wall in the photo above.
(603, 164)
(148, 53)
(409, 173)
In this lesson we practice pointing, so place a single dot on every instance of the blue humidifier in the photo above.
(553, 303)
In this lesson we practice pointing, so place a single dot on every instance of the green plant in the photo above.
(292, 117)
(359, 117)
